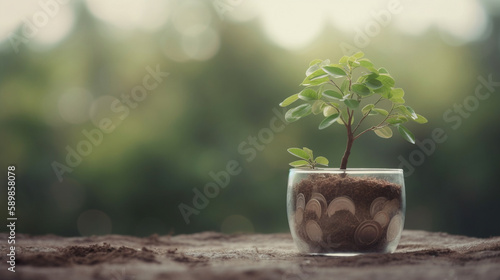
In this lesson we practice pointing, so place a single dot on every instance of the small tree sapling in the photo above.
(333, 91)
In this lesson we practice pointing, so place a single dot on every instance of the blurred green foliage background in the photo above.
(230, 63)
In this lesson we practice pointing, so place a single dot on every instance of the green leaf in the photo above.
(413, 115)
(383, 70)
(381, 111)
(399, 100)
(328, 121)
(299, 163)
(308, 95)
(314, 62)
(315, 66)
(315, 82)
(345, 86)
(374, 83)
(353, 63)
(360, 89)
(312, 68)
(317, 107)
(325, 62)
(344, 59)
(315, 78)
(351, 103)
(407, 135)
(386, 80)
(365, 62)
(299, 153)
(367, 77)
(289, 100)
(358, 55)
(396, 120)
(318, 76)
(308, 151)
(298, 112)
(407, 111)
(334, 71)
(329, 110)
(367, 109)
(420, 119)
(322, 161)
(368, 65)
(332, 94)
(384, 91)
(397, 92)
(319, 73)
(397, 95)
(384, 132)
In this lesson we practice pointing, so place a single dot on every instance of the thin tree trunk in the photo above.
(347, 152)
(350, 140)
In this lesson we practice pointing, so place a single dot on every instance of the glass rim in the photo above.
(348, 170)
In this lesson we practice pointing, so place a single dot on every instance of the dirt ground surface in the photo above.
(210, 255)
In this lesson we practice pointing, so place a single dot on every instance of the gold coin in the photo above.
(367, 233)
(300, 202)
(377, 205)
(395, 227)
(314, 231)
(341, 203)
(314, 206)
(299, 216)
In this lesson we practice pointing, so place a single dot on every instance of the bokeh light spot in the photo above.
(291, 24)
(203, 46)
(192, 18)
(59, 25)
(146, 14)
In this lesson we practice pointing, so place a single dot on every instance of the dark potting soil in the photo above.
(339, 230)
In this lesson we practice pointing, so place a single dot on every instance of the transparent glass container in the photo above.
(346, 212)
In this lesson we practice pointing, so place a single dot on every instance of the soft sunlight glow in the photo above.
(348, 16)
(295, 24)
(201, 47)
(146, 14)
(241, 11)
(57, 27)
(464, 20)
(12, 14)
(192, 18)
(291, 24)
(43, 22)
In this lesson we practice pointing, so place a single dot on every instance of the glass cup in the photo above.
(346, 212)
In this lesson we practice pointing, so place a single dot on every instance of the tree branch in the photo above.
(361, 120)
(336, 86)
(380, 125)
